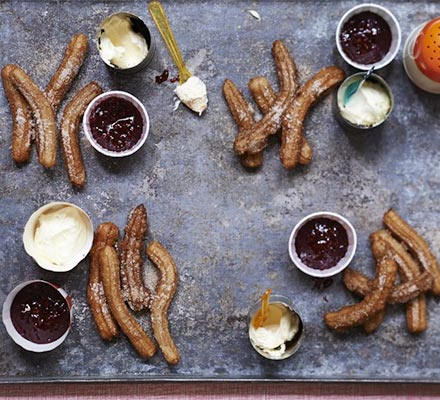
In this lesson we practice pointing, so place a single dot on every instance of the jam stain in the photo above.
(116, 124)
(366, 38)
(162, 77)
(321, 243)
(40, 313)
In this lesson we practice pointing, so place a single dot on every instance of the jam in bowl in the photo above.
(116, 124)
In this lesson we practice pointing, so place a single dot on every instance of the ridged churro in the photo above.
(21, 118)
(253, 139)
(106, 234)
(69, 132)
(43, 113)
(374, 301)
(110, 275)
(293, 119)
(135, 292)
(166, 287)
(67, 70)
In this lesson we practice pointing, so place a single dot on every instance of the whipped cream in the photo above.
(119, 45)
(280, 327)
(369, 106)
(193, 94)
(60, 234)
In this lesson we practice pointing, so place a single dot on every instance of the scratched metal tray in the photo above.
(226, 227)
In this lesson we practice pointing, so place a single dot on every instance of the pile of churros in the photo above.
(399, 251)
(34, 112)
(116, 280)
(283, 112)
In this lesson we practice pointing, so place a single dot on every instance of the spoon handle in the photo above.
(161, 21)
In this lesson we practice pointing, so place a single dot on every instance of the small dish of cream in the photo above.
(280, 334)
(58, 236)
(370, 106)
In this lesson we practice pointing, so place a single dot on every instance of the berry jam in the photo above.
(366, 38)
(40, 313)
(116, 124)
(321, 243)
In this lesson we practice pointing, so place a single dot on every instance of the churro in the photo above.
(106, 234)
(253, 139)
(243, 115)
(293, 119)
(69, 132)
(109, 269)
(165, 290)
(21, 118)
(374, 301)
(67, 70)
(264, 96)
(416, 244)
(44, 115)
(135, 292)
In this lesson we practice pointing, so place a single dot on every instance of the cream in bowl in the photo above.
(369, 106)
(322, 244)
(116, 124)
(124, 42)
(277, 335)
(37, 315)
(58, 236)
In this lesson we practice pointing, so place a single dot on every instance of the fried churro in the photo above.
(243, 115)
(416, 244)
(265, 96)
(253, 139)
(67, 70)
(106, 234)
(110, 275)
(293, 119)
(21, 118)
(43, 113)
(136, 294)
(165, 290)
(69, 132)
(374, 301)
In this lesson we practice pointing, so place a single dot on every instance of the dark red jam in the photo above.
(40, 313)
(162, 77)
(116, 124)
(366, 38)
(321, 243)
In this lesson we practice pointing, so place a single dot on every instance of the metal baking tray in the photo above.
(226, 227)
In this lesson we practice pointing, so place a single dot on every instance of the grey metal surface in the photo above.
(226, 227)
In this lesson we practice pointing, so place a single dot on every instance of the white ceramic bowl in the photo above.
(396, 35)
(343, 262)
(13, 333)
(140, 107)
(31, 248)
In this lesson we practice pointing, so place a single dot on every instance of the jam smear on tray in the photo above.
(40, 313)
(116, 124)
(321, 243)
(366, 38)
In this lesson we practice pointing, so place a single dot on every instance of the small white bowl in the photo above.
(343, 262)
(32, 249)
(140, 107)
(15, 335)
(396, 35)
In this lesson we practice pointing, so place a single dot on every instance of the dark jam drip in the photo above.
(366, 38)
(162, 77)
(321, 243)
(40, 313)
(116, 124)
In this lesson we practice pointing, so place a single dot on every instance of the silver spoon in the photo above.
(353, 87)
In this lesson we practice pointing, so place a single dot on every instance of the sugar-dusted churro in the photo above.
(67, 70)
(166, 287)
(135, 292)
(21, 118)
(110, 275)
(106, 234)
(69, 132)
